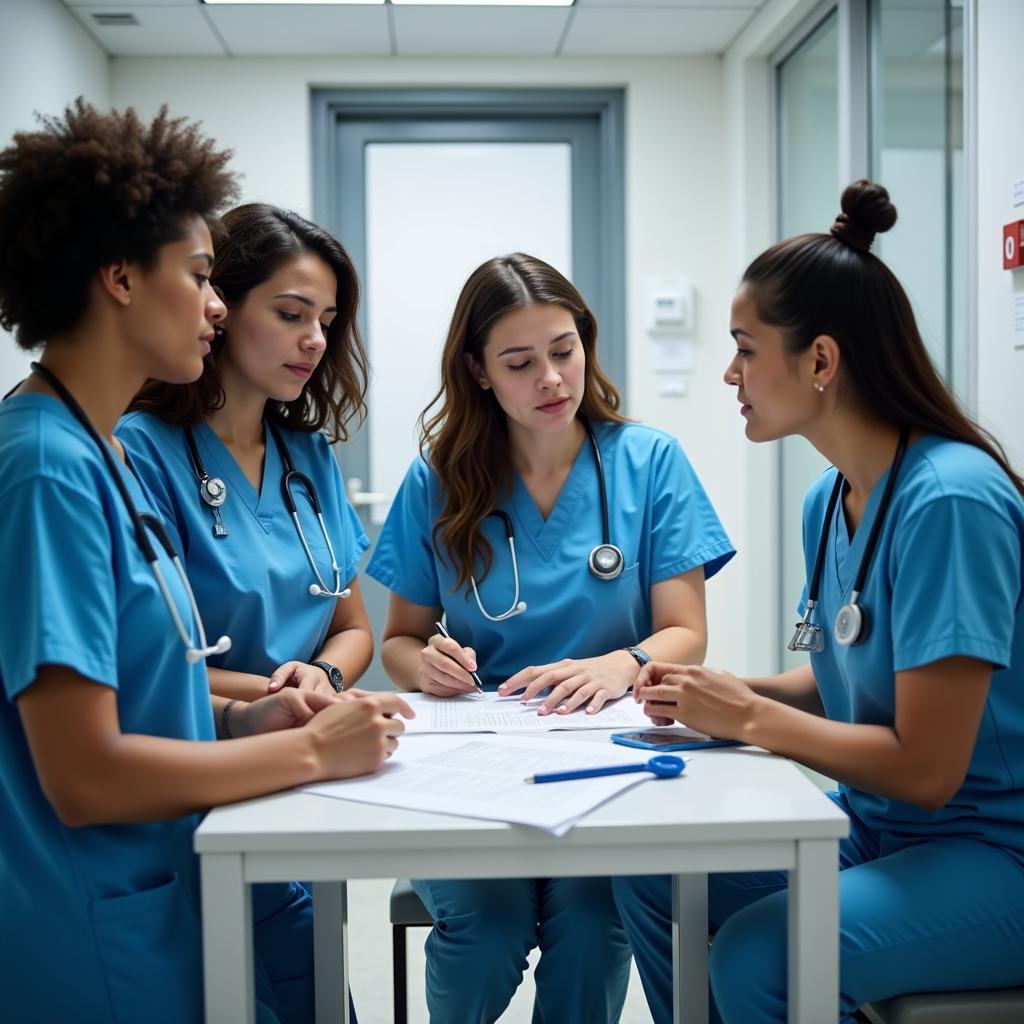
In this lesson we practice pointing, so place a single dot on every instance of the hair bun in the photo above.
(867, 210)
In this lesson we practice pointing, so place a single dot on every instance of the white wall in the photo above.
(46, 60)
(678, 210)
(1000, 161)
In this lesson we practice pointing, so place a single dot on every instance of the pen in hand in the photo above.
(444, 632)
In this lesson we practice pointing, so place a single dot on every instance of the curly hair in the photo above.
(87, 189)
(253, 241)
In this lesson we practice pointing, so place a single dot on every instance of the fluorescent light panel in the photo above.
(426, 3)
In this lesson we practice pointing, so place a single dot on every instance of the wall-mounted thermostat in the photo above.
(670, 307)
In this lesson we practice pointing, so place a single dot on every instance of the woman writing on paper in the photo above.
(107, 756)
(285, 373)
(544, 527)
(913, 696)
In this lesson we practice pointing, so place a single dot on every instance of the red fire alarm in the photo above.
(1013, 245)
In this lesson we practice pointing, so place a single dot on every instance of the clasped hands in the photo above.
(706, 699)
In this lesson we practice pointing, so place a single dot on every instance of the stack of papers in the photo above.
(487, 712)
(485, 777)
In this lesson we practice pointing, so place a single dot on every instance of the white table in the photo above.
(733, 810)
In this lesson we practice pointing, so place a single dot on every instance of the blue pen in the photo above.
(664, 766)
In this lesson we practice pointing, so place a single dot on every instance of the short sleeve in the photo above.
(685, 530)
(403, 559)
(56, 545)
(956, 568)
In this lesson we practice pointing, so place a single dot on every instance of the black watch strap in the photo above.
(640, 656)
(334, 676)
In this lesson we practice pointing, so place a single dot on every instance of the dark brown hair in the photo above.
(467, 432)
(831, 284)
(87, 189)
(254, 241)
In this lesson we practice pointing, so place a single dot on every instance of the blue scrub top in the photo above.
(660, 517)
(252, 585)
(945, 580)
(99, 923)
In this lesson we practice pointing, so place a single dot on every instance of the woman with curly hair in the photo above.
(286, 371)
(105, 759)
(546, 528)
(912, 696)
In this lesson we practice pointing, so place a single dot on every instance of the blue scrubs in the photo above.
(100, 923)
(929, 900)
(664, 523)
(253, 585)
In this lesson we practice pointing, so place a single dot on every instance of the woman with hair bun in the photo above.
(107, 757)
(546, 528)
(913, 616)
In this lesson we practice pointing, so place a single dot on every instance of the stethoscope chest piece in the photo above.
(213, 491)
(851, 625)
(606, 561)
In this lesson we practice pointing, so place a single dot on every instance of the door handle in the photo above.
(357, 496)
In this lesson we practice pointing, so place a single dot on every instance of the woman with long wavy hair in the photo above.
(234, 461)
(546, 528)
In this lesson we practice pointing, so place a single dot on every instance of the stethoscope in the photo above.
(851, 624)
(143, 522)
(605, 561)
(214, 492)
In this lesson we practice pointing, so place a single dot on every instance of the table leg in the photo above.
(690, 948)
(814, 932)
(330, 953)
(227, 940)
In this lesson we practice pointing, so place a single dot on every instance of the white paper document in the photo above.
(487, 712)
(484, 777)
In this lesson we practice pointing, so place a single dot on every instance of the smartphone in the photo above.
(670, 739)
(444, 632)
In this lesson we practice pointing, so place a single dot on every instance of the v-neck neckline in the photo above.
(546, 534)
(264, 504)
(848, 553)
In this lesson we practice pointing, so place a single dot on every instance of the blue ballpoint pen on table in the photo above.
(664, 766)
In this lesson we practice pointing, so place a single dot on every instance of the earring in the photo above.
(819, 387)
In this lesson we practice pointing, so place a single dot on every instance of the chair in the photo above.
(986, 1006)
(407, 911)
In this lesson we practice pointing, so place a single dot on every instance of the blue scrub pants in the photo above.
(942, 914)
(282, 917)
(484, 929)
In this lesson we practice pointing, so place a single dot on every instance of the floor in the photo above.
(370, 964)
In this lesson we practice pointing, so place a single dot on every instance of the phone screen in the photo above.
(667, 739)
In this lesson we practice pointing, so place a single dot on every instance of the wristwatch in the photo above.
(640, 656)
(334, 676)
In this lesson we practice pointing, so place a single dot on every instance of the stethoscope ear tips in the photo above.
(222, 645)
(193, 655)
(315, 590)
(520, 608)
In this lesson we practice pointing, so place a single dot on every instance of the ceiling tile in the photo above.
(625, 31)
(163, 30)
(277, 31)
(117, 8)
(478, 31)
(710, 5)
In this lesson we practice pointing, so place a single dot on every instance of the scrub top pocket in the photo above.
(150, 945)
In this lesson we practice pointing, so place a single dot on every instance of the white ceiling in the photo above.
(189, 28)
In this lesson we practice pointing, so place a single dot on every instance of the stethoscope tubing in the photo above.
(143, 524)
(290, 476)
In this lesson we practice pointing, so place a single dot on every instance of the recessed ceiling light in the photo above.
(292, 3)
